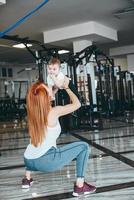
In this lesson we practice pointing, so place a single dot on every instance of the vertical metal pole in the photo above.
(40, 66)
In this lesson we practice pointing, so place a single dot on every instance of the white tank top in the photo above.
(52, 133)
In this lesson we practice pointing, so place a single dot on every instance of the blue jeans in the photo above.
(55, 158)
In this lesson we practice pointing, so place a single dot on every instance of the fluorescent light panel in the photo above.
(63, 51)
(21, 45)
(28, 68)
(2, 2)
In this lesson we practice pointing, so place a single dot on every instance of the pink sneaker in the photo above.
(86, 189)
(26, 183)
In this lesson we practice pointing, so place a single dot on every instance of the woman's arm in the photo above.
(69, 108)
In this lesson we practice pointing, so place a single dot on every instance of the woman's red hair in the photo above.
(38, 107)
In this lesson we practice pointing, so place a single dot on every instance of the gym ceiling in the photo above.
(116, 14)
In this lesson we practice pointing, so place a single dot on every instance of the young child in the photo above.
(55, 78)
(55, 81)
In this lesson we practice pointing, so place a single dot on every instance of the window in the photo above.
(7, 72)
(10, 72)
(4, 72)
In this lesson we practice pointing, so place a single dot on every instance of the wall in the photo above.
(20, 80)
(130, 60)
(121, 61)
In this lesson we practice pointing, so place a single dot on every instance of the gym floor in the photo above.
(110, 165)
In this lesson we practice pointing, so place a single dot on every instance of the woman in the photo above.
(44, 128)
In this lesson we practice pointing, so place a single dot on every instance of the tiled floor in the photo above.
(110, 166)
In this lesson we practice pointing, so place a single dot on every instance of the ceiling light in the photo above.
(28, 68)
(2, 2)
(63, 51)
(21, 45)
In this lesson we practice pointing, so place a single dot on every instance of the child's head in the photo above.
(54, 66)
